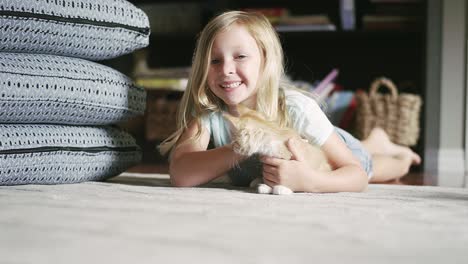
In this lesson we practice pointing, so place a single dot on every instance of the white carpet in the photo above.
(138, 218)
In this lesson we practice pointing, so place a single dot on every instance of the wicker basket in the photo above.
(397, 114)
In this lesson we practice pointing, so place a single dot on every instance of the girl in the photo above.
(239, 60)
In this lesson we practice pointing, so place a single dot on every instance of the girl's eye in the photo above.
(214, 61)
(241, 56)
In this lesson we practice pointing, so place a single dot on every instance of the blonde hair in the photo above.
(198, 98)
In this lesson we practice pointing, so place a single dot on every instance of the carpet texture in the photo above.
(139, 218)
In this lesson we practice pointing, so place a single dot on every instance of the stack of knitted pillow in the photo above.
(57, 107)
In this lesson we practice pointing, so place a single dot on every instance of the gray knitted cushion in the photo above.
(52, 154)
(37, 88)
(91, 29)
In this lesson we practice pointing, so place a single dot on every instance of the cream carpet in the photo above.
(139, 218)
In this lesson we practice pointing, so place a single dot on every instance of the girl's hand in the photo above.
(290, 173)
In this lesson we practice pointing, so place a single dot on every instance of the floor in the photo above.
(139, 218)
(413, 178)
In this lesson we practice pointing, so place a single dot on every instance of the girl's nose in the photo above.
(228, 67)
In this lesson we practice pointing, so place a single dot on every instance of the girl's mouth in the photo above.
(231, 85)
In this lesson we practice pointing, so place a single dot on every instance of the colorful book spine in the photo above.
(347, 14)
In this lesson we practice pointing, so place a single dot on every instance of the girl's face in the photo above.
(234, 68)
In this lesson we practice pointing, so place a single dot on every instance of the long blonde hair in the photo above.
(198, 99)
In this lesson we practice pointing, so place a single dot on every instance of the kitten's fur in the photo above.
(253, 134)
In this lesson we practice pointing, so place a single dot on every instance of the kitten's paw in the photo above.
(281, 190)
(264, 189)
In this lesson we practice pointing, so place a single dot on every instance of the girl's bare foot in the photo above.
(378, 143)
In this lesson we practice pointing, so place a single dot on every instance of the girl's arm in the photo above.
(347, 174)
(297, 174)
(192, 164)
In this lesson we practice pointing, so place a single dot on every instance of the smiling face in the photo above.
(234, 67)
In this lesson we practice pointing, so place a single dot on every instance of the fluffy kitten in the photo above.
(253, 134)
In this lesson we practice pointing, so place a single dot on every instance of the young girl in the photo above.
(239, 60)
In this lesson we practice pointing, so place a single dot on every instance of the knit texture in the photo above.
(52, 154)
(90, 29)
(36, 88)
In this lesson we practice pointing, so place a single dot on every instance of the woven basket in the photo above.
(398, 114)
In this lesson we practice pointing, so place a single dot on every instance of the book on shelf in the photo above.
(308, 27)
(167, 72)
(374, 22)
(158, 83)
(347, 14)
(313, 22)
(394, 14)
(319, 19)
(283, 21)
(273, 14)
(170, 78)
(396, 1)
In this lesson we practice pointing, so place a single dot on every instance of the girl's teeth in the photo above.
(231, 85)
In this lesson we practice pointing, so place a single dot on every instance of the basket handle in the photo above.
(382, 81)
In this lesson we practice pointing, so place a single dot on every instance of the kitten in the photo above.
(254, 134)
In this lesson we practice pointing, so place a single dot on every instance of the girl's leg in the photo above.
(379, 143)
(388, 168)
(390, 161)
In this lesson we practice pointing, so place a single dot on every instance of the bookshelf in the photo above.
(361, 54)
(394, 48)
